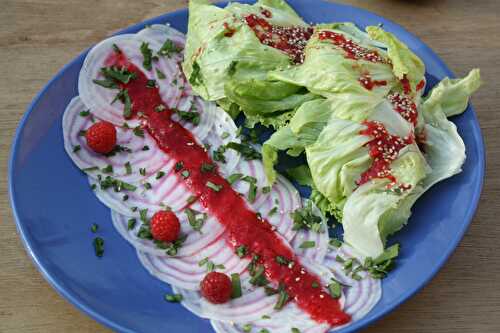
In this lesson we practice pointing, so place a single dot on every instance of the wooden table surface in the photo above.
(37, 37)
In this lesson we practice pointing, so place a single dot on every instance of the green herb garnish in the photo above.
(173, 298)
(147, 55)
(213, 186)
(247, 151)
(94, 227)
(160, 174)
(131, 224)
(236, 285)
(207, 167)
(307, 244)
(98, 246)
(128, 168)
(196, 219)
(241, 251)
(168, 48)
(282, 298)
(195, 78)
(160, 74)
(76, 148)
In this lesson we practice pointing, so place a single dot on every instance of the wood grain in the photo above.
(37, 37)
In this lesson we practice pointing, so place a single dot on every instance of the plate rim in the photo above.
(88, 310)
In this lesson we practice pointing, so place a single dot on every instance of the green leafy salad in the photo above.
(351, 101)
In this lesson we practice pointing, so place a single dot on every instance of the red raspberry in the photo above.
(216, 287)
(165, 226)
(101, 137)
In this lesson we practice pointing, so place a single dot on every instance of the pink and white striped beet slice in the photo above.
(167, 191)
(74, 123)
(359, 297)
(171, 87)
(253, 304)
(99, 98)
(195, 240)
(186, 272)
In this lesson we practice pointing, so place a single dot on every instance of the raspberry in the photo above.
(101, 137)
(165, 226)
(216, 287)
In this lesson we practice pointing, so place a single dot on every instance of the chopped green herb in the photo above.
(282, 260)
(173, 298)
(266, 317)
(203, 262)
(241, 251)
(178, 166)
(295, 330)
(339, 259)
(266, 189)
(147, 55)
(134, 209)
(236, 285)
(272, 211)
(234, 178)
(196, 79)
(189, 116)
(218, 154)
(196, 219)
(115, 74)
(124, 97)
(160, 108)
(173, 248)
(128, 168)
(98, 246)
(185, 173)
(315, 285)
(131, 224)
(160, 174)
(258, 278)
(213, 186)
(94, 168)
(145, 148)
(335, 289)
(82, 132)
(264, 330)
(270, 291)
(307, 244)
(94, 227)
(210, 265)
(247, 328)
(138, 131)
(125, 197)
(147, 186)
(335, 242)
(142, 171)
(247, 151)
(252, 192)
(85, 113)
(225, 135)
(160, 74)
(191, 199)
(93, 187)
(282, 298)
(207, 167)
(168, 48)
(76, 148)
(143, 215)
(107, 169)
(304, 218)
(118, 149)
(116, 48)
(105, 84)
(151, 84)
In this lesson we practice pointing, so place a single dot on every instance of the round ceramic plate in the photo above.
(54, 206)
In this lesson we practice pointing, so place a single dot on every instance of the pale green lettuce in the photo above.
(404, 62)
(327, 72)
(233, 69)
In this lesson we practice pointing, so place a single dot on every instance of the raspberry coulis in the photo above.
(243, 225)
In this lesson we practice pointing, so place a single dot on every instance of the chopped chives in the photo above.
(236, 285)
(185, 173)
(76, 148)
(94, 227)
(173, 298)
(160, 174)
(131, 224)
(307, 244)
(213, 186)
(98, 246)
(128, 168)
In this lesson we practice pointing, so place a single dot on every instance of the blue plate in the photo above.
(54, 207)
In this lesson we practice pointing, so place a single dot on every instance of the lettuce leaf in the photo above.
(326, 71)
(404, 62)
